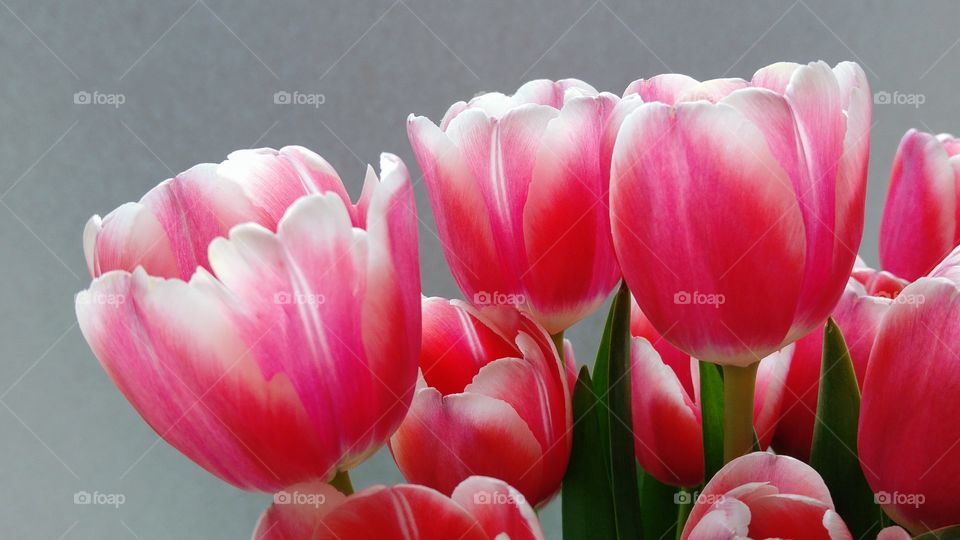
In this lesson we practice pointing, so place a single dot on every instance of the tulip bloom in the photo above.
(737, 210)
(493, 399)
(480, 508)
(737, 207)
(908, 423)
(291, 352)
(665, 396)
(920, 225)
(520, 198)
(858, 314)
(763, 495)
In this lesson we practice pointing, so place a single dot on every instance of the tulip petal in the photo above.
(669, 167)
(665, 88)
(499, 508)
(792, 516)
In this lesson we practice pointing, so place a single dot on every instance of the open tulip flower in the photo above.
(737, 210)
(858, 314)
(665, 397)
(908, 423)
(480, 508)
(920, 220)
(737, 206)
(520, 198)
(258, 321)
(493, 400)
(763, 495)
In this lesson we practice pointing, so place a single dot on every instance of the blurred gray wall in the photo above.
(198, 79)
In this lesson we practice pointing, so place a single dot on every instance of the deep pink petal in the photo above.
(498, 508)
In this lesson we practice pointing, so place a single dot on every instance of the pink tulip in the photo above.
(480, 508)
(493, 399)
(920, 220)
(858, 314)
(908, 423)
(737, 207)
(763, 495)
(287, 356)
(520, 200)
(668, 437)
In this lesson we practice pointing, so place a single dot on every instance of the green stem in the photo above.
(558, 342)
(342, 482)
(738, 387)
(683, 510)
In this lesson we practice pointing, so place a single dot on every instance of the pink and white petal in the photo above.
(404, 512)
(463, 225)
(126, 238)
(668, 438)
(298, 511)
(678, 360)
(627, 105)
(920, 215)
(775, 77)
(456, 345)
(727, 519)
(570, 265)
(770, 393)
(499, 508)
(793, 516)
(787, 475)
(446, 439)
(742, 214)
(712, 90)
(906, 441)
(200, 391)
(550, 93)
(665, 88)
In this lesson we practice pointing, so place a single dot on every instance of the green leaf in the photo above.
(601, 373)
(711, 412)
(623, 463)
(834, 450)
(658, 503)
(587, 499)
(947, 533)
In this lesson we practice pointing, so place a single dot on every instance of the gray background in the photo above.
(198, 77)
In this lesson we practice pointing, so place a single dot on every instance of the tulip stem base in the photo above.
(558, 343)
(342, 482)
(738, 388)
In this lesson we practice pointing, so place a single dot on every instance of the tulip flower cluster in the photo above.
(755, 379)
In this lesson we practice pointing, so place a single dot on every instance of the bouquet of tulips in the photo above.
(755, 379)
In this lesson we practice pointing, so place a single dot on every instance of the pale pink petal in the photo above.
(664, 88)
(126, 238)
(712, 90)
(727, 519)
(775, 77)
(894, 533)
